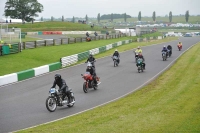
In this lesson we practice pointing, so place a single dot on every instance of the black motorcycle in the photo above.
(55, 99)
(116, 61)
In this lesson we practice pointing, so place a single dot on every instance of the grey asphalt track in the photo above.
(22, 104)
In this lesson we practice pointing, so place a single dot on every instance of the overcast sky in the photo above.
(79, 8)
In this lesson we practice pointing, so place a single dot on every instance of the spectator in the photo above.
(95, 33)
(87, 34)
(10, 21)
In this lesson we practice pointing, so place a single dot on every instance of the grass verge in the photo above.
(32, 58)
(170, 103)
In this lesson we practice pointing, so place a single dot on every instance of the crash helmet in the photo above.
(57, 77)
(138, 47)
(116, 50)
(90, 55)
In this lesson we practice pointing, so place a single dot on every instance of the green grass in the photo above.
(54, 26)
(32, 58)
(169, 104)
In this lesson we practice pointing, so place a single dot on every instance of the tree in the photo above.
(52, 18)
(187, 15)
(139, 16)
(170, 16)
(63, 19)
(41, 18)
(111, 17)
(125, 17)
(25, 10)
(98, 17)
(86, 18)
(154, 16)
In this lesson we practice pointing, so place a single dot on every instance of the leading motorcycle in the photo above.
(179, 47)
(55, 99)
(89, 82)
(116, 61)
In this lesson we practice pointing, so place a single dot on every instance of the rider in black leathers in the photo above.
(169, 47)
(62, 86)
(165, 50)
(91, 59)
(91, 70)
(116, 53)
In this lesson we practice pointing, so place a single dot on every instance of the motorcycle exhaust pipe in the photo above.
(99, 83)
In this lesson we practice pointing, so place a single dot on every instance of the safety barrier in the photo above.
(51, 42)
(19, 76)
(148, 38)
(72, 59)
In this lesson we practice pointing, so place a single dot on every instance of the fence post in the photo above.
(35, 44)
(75, 40)
(45, 42)
(24, 45)
(54, 42)
(61, 41)
(81, 39)
(68, 40)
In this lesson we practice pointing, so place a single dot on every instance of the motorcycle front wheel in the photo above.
(85, 87)
(51, 104)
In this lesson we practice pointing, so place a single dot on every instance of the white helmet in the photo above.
(138, 47)
(116, 50)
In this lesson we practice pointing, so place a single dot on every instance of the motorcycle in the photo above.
(89, 82)
(140, 65)
(179, 47)
(164, 55)
(116, 61)
(169, 53)
(55, 99)
(136, 57)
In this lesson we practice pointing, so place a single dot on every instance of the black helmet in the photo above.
(57, 77)
(90, 55)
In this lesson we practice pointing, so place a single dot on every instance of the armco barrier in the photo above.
(25, 74)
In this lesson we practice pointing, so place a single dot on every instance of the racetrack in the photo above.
(23, 104)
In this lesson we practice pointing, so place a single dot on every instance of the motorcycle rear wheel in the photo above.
(84, 87)
(72, 100)
(51, 104)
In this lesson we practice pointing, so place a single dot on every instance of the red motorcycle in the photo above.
(179, 47)
(89, 82)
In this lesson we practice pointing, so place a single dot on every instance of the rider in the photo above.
(140, 56)
(91, 70)
(87, 34)
(91, 59)
(62, 86)
(179, 44)
(169, 47)
(165, 50)
(95, 33)
(137, 51)
(116, 53)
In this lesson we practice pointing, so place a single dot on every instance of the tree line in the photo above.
(26, 10)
